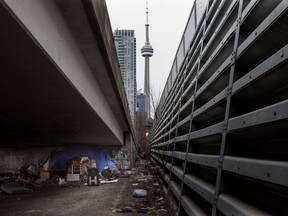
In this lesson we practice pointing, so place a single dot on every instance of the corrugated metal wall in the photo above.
(221, 137)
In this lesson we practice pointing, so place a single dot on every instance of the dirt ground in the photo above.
(105, 200)
(101, 200)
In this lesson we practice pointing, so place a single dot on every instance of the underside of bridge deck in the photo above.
(57, 85)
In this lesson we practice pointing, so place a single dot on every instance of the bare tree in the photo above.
(155, 99)
(143, 125)
(141, 131)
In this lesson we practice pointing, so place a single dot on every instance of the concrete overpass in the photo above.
(60, 78)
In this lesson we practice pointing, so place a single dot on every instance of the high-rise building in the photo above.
(141, 102)
(125, 43)
(147, 52)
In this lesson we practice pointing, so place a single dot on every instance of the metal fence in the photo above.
(221, 136)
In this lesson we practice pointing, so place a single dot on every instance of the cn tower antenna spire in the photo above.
(147, 52)
(147, 23)
(147, 20)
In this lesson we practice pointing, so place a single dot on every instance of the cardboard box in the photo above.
(75, 162)
(45, 175)
(73, 177)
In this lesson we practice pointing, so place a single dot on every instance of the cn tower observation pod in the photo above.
(147, 50)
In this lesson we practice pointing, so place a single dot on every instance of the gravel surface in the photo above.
(105, 200)
(101, 200)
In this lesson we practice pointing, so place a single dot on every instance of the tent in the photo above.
(100, 155)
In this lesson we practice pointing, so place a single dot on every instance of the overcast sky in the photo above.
(167, 19)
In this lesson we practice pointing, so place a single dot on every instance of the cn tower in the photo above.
(147, 52)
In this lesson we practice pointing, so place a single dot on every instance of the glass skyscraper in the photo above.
(141, 102)
(125, 43)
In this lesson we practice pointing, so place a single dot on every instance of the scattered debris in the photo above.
(109, 181)
(139, 193)
(128, 172)
(27, 182)
(10, 177)
(147, 185)
(62, 181)
(84, 170)
(29, 171)
(74, 166)
(128, 209)
(124, 210)
(108, 173)
(15, 188)
(143, 210)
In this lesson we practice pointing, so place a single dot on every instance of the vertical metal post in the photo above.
(176, 132)
(227, 111)
(167, 146)
(191, 116)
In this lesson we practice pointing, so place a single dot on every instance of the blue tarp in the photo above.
(100, 155)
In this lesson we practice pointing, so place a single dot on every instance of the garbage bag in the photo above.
(139, 193)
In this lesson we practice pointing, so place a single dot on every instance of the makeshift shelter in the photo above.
(100, 155)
